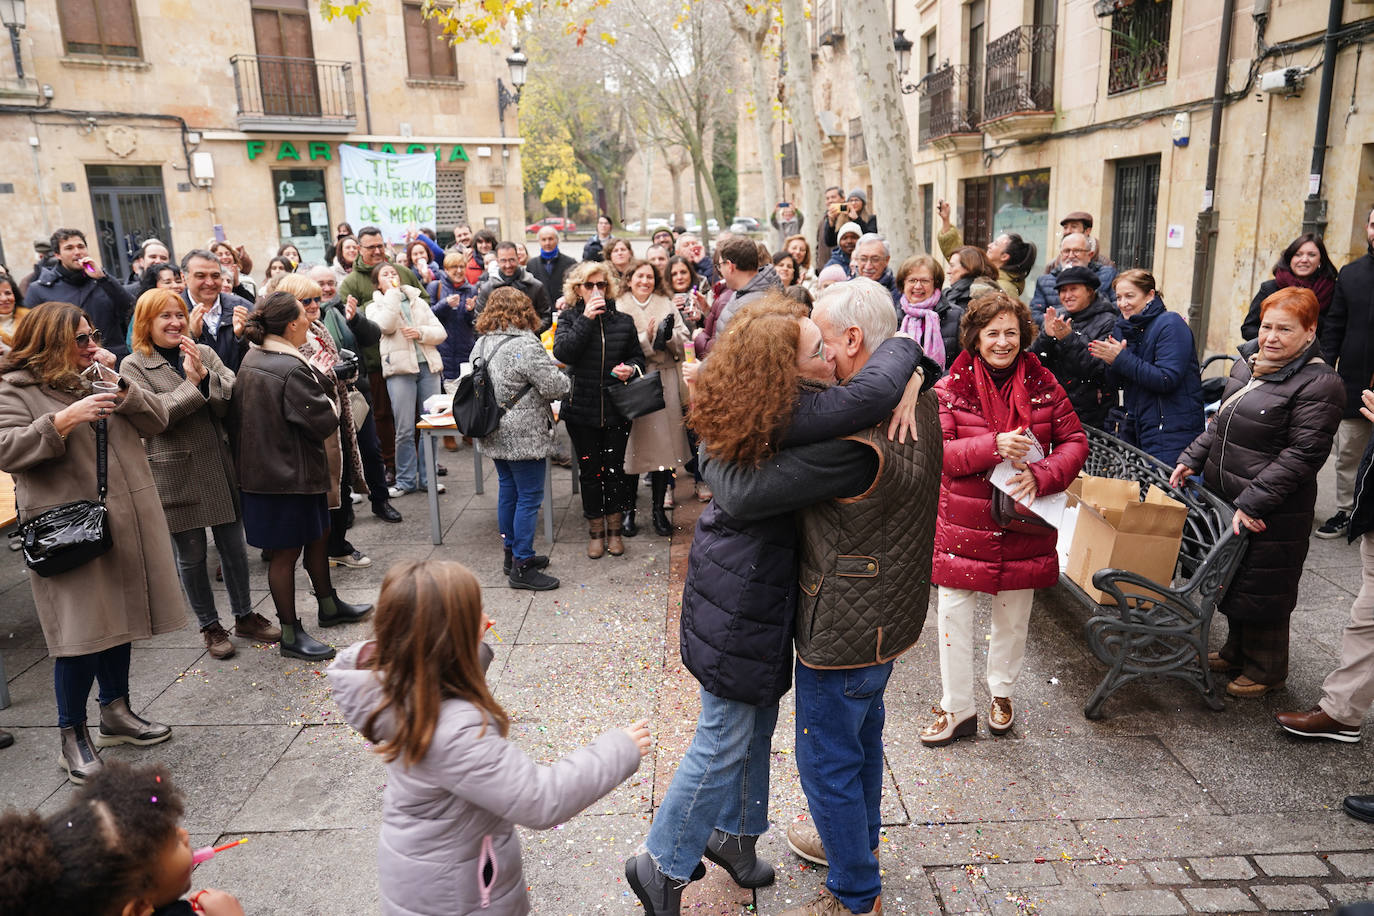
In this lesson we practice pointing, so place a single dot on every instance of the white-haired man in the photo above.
(870, 260)
(866, 512)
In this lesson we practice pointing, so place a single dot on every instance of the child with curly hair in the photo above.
(117, 850)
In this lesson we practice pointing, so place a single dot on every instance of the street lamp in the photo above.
(13, 17)
(903, 45)
(517, 62)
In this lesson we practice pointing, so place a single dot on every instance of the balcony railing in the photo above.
(944, 106)
(1140, 46)
(1020, 72)
(286, 93)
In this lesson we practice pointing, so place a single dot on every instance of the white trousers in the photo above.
(958, 609)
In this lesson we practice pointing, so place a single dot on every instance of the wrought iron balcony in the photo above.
(1020, 83)
(947, 120)
(1139, 54)
(290, 93)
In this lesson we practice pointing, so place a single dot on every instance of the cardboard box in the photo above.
(1116, 530)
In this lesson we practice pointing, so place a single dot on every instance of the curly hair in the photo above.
(507, 308)
(45, 345)
(428, 625)
(96, 855)
(981, 312)
(746, 392)
(572, 282)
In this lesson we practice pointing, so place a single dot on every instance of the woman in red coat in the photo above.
(994, 399)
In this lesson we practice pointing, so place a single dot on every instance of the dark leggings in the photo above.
(72, 676)
(281, 575)
(606, 488)
(370, 451)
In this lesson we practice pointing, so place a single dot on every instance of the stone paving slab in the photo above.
(1302, 866)
(1289, 898)
(1219, 900)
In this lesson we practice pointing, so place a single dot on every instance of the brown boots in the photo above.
(614, 545)
(596, 534)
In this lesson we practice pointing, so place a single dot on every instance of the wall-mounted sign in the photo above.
(321, 151)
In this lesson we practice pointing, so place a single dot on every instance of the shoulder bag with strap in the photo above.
(73, 534)
(476, 410)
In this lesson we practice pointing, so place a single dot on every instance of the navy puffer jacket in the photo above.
(458, 320)
(1160, 379)
(739, 602)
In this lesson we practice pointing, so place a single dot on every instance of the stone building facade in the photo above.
(184, 121)
(1022, 111)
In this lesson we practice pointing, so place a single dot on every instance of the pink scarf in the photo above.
(922, 322)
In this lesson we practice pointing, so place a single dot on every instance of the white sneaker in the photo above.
(395, 492)
(357, 498)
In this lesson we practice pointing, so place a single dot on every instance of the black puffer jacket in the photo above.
(591, 348)
(1083, 375)
(1347, 333)
(1262, 453)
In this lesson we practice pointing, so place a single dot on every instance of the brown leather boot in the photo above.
(596, 538)
(614, 545)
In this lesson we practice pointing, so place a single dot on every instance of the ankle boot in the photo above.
(538, 561)
(661, 895)
(630, 529)
(659, 489)
(296, 643)
(614, 545)
(78, 756)
(596, 538)
(736, 855)
(119, 725)
(526, 575)
(334, 611)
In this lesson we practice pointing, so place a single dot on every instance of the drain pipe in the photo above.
(362, 67)
(1204, 244)
(1314, 208)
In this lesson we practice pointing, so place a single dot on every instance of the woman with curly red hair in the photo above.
(767, 383)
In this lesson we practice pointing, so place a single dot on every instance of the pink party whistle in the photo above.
(206, 853)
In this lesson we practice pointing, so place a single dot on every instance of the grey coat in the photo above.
(526, 430)
(133, 591)
(451, 814)
(192, 467)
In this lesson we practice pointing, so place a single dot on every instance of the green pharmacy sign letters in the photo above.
(320, 151)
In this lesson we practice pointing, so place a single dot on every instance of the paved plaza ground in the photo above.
(1161, 807)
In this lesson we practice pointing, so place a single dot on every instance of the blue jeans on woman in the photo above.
(840, 716)
(721, 783)
(407, 393)
(72, 676)
(517, 503)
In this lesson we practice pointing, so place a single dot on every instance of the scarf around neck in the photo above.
(920, 320)
(1322, 286)
(1005, 403)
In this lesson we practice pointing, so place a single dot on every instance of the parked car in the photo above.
(745, 224)
(557, 222)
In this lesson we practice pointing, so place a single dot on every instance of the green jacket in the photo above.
(359, 284)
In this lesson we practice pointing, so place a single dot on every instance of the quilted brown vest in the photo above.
(865, 569)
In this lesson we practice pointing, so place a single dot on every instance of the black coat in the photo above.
(227, 347)
(591, 348)
(105, 300)
(1262, 453)
(552, 278)
(539, 297)
(868, 223)
(1347, 334)
(1083, 375)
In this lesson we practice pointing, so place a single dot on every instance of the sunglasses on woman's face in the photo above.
(599, 284)
(85, 340)
(313, 300)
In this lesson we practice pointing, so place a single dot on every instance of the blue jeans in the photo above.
(517, 504)
(72, 676)
(407, 393)
(721, 783)
(191, 566)
(840, 760)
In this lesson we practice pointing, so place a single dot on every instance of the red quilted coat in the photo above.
(971, 551)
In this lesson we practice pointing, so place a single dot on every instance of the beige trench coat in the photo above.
(658, 440)
(133, 591)
(192, 467)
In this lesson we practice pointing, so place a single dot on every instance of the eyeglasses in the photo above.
(377, 247)
(599, 284)
(85, 340)
(820, 351)
(870, 259)
(1073, 251)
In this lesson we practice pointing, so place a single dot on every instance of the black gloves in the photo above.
(665, 332)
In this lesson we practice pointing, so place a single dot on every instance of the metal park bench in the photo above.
(1159, 628)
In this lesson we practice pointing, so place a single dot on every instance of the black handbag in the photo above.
(1011, 515)
(70, 535)
(638, 396)
(476, 411)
